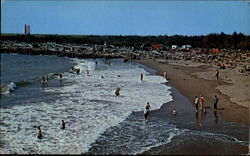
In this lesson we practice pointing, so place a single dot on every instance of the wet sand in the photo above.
(185, 81)
(193, 143)
(185, 78)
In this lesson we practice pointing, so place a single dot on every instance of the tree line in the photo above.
(213, 40)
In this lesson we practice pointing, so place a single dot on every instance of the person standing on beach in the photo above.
(201, 100)
(215, 102)
(196, 102)
(141, 76)
(217, 74)
(165, 75)
(146, 112)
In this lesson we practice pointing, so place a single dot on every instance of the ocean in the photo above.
(86, 102)
(97, 121)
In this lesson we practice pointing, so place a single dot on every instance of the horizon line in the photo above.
(127, 35)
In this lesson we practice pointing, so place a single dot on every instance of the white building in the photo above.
(174, 47)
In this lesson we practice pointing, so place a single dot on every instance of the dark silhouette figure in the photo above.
(141, 77)
(215, 102)
(39, 133)
(117, 92)
(217, 74)
(62, 125)
(146, 112)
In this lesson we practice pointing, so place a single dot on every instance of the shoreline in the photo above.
(184, 144)
(185, 80)
(212, 123)
(182, 103)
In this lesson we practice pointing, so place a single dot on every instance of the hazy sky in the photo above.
(126, 17)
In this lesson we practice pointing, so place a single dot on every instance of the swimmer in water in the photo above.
(174, 112)
(39, 133)
(77, 71)
(62, 125)
(44, 80)
(117, 92)
(146, 112)
(141, 77)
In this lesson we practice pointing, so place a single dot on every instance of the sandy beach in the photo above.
(192, 79)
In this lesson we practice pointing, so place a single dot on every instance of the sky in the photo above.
(126, 17)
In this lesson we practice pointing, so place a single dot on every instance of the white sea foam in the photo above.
(8, 88)
(88, 106)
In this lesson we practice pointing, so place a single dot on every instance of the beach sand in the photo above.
(192, 79)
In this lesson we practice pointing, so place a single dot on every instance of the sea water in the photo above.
(85, 101)
(97, 121)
